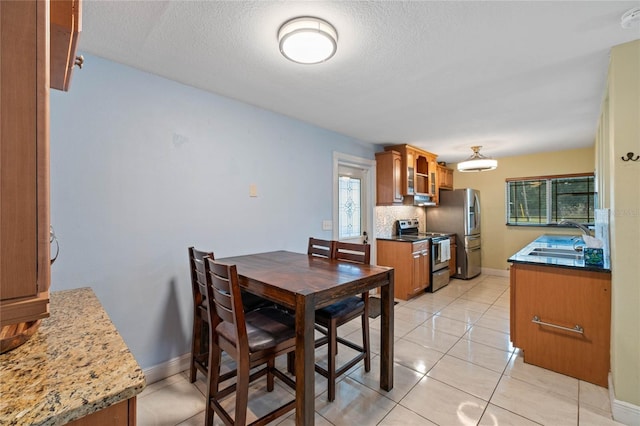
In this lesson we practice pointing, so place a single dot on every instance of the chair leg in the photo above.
(366, 344)
(331, 361)
(242, 390)
(195, 348)
(271, 364)
(291, 362)
(213, 381)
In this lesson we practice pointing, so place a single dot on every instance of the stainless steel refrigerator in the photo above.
(459, 212)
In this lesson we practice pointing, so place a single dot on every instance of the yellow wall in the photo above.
(618, 134)
(499, 241)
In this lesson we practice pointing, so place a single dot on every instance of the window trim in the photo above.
(549, 198)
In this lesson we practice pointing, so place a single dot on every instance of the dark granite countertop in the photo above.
(574, 260)
(410, 238)
(405, 238)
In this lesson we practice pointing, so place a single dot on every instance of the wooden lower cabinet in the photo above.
(120, 414)
(567, 298)
(453, 262)
(412, 265)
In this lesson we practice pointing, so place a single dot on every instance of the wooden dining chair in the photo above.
(251, 338)
(339, 313)
(200, 333)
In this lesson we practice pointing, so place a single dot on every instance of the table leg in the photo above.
(305, 359)
(386, 335)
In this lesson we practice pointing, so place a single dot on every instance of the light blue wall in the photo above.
(143, 167)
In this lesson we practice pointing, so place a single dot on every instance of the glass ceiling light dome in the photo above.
(307, 40)
(477, 162)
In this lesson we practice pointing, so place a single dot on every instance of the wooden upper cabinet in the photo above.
(388, 178)
(24, 158)
(417, 173)
(408, 173)
(66, 24)
(433, 179)
(445, 177)
(422, 174)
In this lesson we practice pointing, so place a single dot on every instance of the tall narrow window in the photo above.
(547, 200)
(350, 203)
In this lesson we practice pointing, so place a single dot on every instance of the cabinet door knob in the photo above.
(79, 61)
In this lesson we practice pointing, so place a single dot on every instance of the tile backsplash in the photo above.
(386, 217)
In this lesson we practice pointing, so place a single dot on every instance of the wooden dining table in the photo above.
(305, 283)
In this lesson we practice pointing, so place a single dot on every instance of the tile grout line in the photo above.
(426, 374)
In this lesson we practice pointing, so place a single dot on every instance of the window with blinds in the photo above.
(547, 200)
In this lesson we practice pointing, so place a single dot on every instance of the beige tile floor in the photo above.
(454, 365)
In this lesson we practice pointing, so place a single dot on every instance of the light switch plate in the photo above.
(253, 190)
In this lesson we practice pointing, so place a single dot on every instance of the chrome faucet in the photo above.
(584, 229)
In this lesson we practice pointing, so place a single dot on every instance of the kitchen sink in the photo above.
(556, 252)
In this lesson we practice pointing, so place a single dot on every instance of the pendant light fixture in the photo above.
(477, 162)
(307, 40)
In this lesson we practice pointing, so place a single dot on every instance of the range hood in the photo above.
(418, 200)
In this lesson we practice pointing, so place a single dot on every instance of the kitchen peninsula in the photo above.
(561, 308)
(76, 369)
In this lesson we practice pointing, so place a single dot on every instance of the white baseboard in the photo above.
(623, 412)
(166, 369)
(496, 272)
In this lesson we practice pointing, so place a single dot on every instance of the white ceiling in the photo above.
(516, 77)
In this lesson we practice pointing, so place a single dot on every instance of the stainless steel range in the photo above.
(408, 229)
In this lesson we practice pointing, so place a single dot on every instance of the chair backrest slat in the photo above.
(351, 252)
(320, 248)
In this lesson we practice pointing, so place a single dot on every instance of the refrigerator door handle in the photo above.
(477, 210)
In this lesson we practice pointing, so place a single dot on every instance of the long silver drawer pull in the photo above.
(576, 329)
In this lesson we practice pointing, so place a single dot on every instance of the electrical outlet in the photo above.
(327, 225)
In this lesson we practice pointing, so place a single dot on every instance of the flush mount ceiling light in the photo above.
(477, 162)
(307, 40)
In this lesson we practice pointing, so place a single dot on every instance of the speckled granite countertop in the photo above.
(76, 364)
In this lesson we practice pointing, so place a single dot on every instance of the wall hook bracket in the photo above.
(630, 157)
